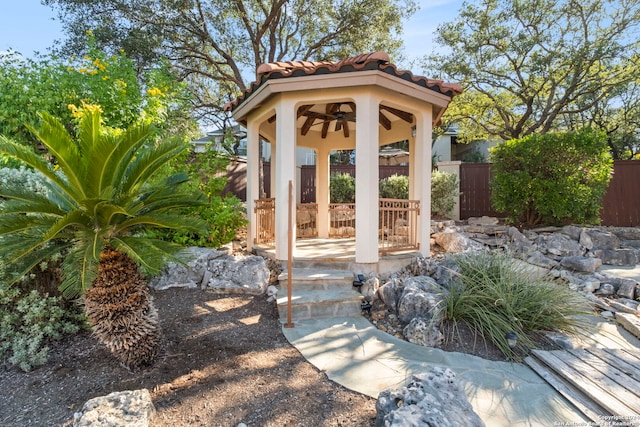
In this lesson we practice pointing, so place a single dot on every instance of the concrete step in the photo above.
(316, 279)
(320, 303)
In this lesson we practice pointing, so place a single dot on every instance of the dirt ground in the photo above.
(224, 361)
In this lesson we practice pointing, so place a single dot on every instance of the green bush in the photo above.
(444, 193)
(29, 322)
(394, 187)
(494, 294)
(555, 178)
(225, 216)
(224, 213)
(342, 188)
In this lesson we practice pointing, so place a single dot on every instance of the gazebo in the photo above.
(360, 103)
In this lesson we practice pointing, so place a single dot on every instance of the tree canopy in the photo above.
(216, 45)
(536, 65)
(60, 86)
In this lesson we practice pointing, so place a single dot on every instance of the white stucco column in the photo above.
(423, 176)
(272, 176)
(253, 178)
(367, 136)
(322, 191)
(284, 169)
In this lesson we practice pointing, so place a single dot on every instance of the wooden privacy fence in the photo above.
(620, 205)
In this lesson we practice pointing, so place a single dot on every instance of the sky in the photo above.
(27, 26)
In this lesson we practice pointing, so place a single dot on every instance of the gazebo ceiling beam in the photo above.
(407, 117)
(384, 121)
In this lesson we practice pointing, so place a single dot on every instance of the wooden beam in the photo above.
(407, 117)
(384, 121)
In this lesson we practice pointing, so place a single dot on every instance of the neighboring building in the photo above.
(446, 148)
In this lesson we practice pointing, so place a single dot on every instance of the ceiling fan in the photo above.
(339, 112)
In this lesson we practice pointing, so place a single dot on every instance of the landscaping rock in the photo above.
(421, 297)
(596, 239)
(580, 263)
(216, 269)
(559, 245)
(118, 409)
(242, 274)
(390, 293)
(616, 256)
(454, 242)
(423, 332)
(430, 399)
(630, 322)
(189, 275)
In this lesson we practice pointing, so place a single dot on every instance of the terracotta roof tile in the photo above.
(371, 61)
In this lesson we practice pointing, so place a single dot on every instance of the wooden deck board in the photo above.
(612, 372)
(631, 369)
(587, 406)
(595, 385)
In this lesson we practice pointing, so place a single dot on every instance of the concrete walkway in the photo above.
(355, 354)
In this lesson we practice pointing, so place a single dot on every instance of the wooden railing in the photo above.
(342, 220)
(265, 210)
(306, 220)
(398, 229)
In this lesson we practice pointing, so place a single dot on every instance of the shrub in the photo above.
(225, 217)
(29, 322)
(554, 178)
(342, 188)
(494, 295)
(444, 192)
(224, 213)
(394, 187)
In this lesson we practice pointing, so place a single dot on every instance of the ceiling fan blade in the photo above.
(338, 125)
(345, 128)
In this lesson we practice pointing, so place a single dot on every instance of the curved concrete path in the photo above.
(355, 354)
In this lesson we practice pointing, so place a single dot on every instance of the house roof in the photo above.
(371, 61)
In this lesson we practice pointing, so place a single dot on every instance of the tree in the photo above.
(60, 87)
(96, 205)
(528, 65)
(217, 45)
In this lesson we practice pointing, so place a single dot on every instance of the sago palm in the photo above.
(97, 204)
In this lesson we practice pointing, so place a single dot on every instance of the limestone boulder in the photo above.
(242, 274)
(190, 274)
(435, 398)
(421, 297)
(559, 245)
(582, 264)
(423, 332)
(454, 242)
(119, 409)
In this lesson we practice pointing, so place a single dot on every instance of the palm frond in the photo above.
(191, 224)
(37, 204)
(26, 155)
(12, 223)
(148, 162)
(118, 162)
(19, 264)
(79, 269)
(61, 145)
(75, 220)
(150, 254)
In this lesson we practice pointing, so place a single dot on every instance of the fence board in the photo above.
(621, 203)
(475, 197)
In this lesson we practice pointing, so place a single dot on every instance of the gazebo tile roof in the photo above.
(370, 61)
